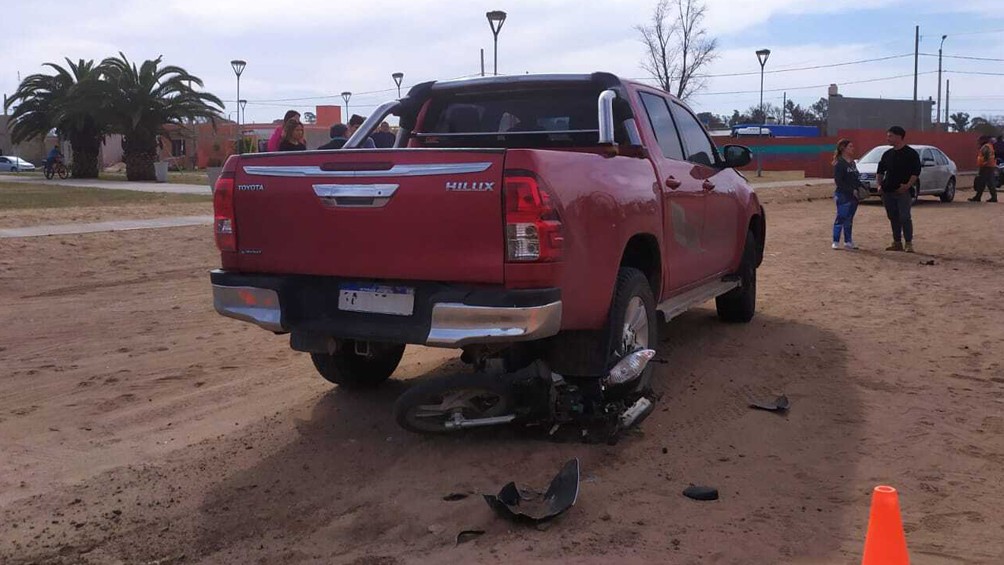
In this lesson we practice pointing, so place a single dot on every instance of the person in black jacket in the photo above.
(339, 135)
(898, 172)
(846, 178)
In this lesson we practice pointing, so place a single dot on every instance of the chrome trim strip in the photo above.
(414, 170)
(355, 190)
(260, 306)
(457, 325)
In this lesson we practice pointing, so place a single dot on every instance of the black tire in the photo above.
(474, 395)
(352, 371)
(629, 332)
(48, 173)
(62, 172)
(949, 193)
(739, 305)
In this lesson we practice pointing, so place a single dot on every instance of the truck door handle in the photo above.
(672, 183)
(708, 186)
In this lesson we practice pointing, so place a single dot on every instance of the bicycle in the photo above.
(57, 168)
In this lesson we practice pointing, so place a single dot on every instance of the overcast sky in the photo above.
(312, 50)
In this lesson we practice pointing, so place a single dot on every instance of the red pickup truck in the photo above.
(518, 218)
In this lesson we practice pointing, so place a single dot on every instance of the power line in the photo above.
(381, 91)
(793, 69)
(965, 57)
(790, 88)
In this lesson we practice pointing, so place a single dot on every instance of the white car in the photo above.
(937, 175)
(12, 164)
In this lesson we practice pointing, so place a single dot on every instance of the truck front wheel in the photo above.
(739, 305)
(352, 370)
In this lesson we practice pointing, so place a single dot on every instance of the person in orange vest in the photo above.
(986, 176)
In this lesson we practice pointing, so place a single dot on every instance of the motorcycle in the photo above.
(597, 409)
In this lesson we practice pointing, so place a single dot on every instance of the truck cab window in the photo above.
(695, 141)
(662, 124)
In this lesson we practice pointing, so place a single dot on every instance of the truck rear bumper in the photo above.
(444, 315)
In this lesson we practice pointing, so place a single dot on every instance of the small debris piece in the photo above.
(701, 493)
(780, 405)
(534, 507)
(468, 535)
(455, 496)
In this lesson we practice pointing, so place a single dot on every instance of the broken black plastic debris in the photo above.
(780, 404)
(534, 507)
(455, 496)
(701, 493)
(928, 263)
(467, 535)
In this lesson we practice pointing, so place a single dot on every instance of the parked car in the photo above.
(11, 164)
(937, 177)
(518, 218)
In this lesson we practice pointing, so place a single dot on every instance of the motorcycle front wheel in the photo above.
(440, 404)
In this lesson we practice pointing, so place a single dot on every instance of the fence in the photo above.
(813, 155)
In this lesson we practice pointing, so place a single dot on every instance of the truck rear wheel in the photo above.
(739, 305)
(632, 319)
(351, 370)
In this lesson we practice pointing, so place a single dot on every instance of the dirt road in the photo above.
(138, 426)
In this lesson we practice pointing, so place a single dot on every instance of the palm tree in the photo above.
(147, 98)
(72, 101)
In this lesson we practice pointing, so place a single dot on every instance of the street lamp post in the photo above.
(243, 114)
(345, 96)
(761, 56)
(495, 19)
(937, 115)
(398, 77)
(238, 66)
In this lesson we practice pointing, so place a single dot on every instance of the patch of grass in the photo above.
(26, 196)
(173, 177)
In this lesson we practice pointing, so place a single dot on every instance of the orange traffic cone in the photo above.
(885, 543)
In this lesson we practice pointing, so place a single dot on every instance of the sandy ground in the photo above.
(89, 214)
(137, 426)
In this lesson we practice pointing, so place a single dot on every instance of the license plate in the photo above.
(377, 299)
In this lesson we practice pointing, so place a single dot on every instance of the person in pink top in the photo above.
(276, 138)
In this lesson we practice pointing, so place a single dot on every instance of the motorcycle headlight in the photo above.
(630, 367)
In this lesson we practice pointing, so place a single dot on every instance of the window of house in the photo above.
(178, 148)
(662, 124)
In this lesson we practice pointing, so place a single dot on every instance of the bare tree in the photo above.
(678, 46)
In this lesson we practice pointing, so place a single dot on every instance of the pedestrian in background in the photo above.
(384, 138)
(339, 135)
(293, 137)
(898, 172)
(986, 170)
(847, 180)
(354, 122)
(276, 137)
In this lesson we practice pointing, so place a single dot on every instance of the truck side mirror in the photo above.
(736, 156)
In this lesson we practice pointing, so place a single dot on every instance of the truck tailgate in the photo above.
(404, 214)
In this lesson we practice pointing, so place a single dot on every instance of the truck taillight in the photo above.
(532, 225)
(224, 221)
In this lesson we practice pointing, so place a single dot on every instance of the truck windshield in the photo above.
(565, 117)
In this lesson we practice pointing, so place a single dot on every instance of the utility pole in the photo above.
(482, 62)
(937, 115)
(784, 109)
(948, 90)
(916, 63)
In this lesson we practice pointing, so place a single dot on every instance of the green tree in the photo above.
(821, 111)
(145, 99)
(960, 121)
(73, 102)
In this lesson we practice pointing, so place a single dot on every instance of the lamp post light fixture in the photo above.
(937, 115)
(495, 19)
(238, 66)
(243, 114)
(345, 96)
(761, 56)
(398, 77)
